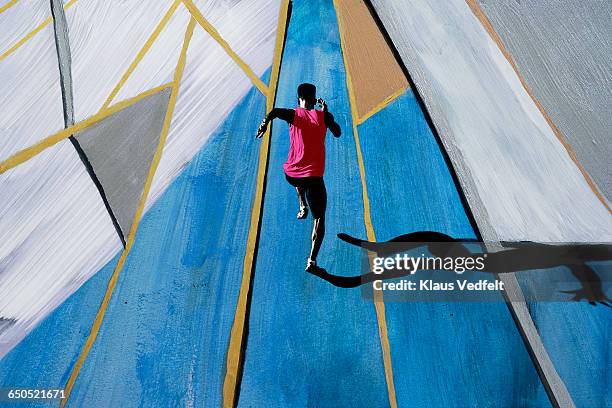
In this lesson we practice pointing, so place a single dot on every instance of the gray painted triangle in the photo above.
(120, 150)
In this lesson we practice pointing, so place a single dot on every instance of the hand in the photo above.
(323, 104)
(263, 126)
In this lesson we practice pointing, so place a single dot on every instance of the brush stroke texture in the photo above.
(30, 100)
(419, 196)
(105, 37)
(562, 49)
(519, 180)
(204, 100)
(120, 150)
(375, 74)
(167, 326)
(310, 344)
(55, 234)
(20, 19)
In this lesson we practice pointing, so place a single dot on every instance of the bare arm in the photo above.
(285, 114)
(331, 124)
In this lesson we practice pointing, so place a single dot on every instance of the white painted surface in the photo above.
(30, 97)
(519, 180)
(54, 235)
(20, 19)
(563, 49)
(54, 230)
(212, 83)
(105, 36)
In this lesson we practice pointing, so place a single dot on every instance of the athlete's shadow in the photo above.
(512, 257)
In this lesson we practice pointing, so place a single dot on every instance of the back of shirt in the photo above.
(306, 144)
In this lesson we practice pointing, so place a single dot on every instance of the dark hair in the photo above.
(308, 92)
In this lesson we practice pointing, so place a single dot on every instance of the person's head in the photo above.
(307, 95)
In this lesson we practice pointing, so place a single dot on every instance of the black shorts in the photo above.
(316, 194)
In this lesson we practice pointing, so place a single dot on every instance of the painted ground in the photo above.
(165, 335)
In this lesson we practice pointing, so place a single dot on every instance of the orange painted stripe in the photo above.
(379, 303)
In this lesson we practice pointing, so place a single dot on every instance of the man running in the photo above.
(305, 165)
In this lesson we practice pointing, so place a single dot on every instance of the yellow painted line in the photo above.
(143, 51)
(137, 217)
(481, 16)
(379, 303)
(29, 152)
(236, 342)
(8, 6)
(217, 36)
(381, 105)
(32, 33)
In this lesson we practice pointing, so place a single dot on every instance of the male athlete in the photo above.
(305, 165)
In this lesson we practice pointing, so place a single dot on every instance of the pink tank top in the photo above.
(306, 144)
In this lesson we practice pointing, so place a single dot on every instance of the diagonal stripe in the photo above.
(375, 73)
(64, 59)
(379, 303)
(382, 105)
(32, 33)
(8, 6)
(217, 36)
(555, 388)
(237, 341)
(484, 21)
(29, 152)
(143, 51)
(137, 217)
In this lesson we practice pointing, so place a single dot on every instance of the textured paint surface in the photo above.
(562, 49)
(62, 46)
(120, 150)
(519, 180)
(166, 330)
(52, 197)
(459, 97)
(204, 100)
(30, 101)
(45, 356)
(578, 338)
(477, 357)
(309, 343)
(375, 74)
(104, 39)
(164, 339)
(248, 26)
(20, 19)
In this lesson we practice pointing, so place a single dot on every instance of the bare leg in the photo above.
(303, 213)
(301, 196)
(318, 233)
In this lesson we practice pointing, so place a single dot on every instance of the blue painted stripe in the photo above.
(578, 338)
(165, 334)
(443, 354)
(309, 343)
